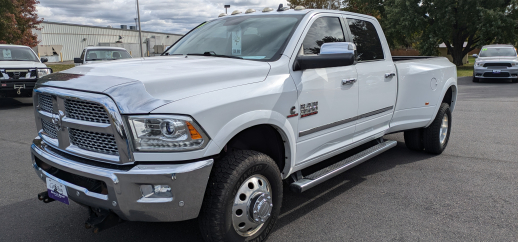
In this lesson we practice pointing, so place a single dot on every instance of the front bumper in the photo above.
(122, 192)
(485, 72)
(10, 87)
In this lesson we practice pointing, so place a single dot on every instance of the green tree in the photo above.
(17, 20)
(316, 4)
(453, 22)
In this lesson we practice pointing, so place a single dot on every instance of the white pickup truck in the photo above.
(239, 104)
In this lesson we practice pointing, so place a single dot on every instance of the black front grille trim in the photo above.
(501, 74)
(498, 64)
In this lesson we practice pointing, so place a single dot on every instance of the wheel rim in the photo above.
(252, 205)
(444, 129)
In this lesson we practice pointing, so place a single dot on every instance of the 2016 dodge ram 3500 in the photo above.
(239, 104)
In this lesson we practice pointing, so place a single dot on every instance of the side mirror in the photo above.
(78, 61)
(475, 55)
(331, 55)
(43, 60)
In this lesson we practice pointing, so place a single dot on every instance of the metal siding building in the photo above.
(74, 38)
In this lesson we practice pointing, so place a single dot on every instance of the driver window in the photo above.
(323, 30)
(83, 55)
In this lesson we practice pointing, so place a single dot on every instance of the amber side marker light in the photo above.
(193, 131)
(426, 103)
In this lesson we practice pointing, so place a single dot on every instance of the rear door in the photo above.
(377, 77)
(327, 107)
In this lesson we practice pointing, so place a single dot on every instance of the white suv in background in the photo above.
(101, 53)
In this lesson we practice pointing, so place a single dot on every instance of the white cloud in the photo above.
(171, 16)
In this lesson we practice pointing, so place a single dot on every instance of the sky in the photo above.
(169, 16)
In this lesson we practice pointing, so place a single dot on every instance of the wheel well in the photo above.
(450, 97)
(261, 138)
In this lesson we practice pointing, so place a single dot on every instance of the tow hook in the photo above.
(101, 219)
(44, 196)
(19, 87)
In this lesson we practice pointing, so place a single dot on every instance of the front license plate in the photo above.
(57, 191)
(496, 71)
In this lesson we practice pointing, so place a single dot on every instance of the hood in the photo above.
(162, 79)
(21, 64)
(497, 59)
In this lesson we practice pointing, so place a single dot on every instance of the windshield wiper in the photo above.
(212, 53)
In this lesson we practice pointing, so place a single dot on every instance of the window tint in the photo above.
(323, 30)
(367, 41)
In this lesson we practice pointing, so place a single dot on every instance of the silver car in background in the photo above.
(496, 61)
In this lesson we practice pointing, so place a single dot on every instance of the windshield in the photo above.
(16, 53)
(106, 54)
(248, 37)
(492, 52)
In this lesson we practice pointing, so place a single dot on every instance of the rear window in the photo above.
(367, 41)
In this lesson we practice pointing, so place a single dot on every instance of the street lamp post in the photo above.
(226, 7)
(139, 31)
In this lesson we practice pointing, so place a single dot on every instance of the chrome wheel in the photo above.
(252, 205)
(444, 129)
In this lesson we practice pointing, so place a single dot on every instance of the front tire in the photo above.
(476, 79)
(243, 198)
(437, 135)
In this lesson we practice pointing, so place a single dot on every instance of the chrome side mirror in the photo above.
(338, 48)
(475, 55)
(334, 54)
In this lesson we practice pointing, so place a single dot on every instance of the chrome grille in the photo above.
(86, 111)
(49, 128)
(93, 141)
(45, 102)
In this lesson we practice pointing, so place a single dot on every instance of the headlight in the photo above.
(43, 72)
(167, 133)
(479, 64)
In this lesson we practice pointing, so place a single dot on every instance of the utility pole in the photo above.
(139, 31)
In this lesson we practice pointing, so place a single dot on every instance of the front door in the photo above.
(327, 104)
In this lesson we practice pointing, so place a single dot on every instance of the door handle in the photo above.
(348, 81)
(390, 75)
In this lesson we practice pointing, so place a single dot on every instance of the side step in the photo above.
(331, 171)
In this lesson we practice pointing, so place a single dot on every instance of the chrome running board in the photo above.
(331, 171)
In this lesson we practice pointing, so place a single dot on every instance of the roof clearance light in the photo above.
(298, 8)
(250, 10)
(236, 12)
(265, 10)
(222, 15)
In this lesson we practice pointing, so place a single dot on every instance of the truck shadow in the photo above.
(12, 103)
(296, 205)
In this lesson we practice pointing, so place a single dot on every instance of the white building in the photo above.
(61, 41)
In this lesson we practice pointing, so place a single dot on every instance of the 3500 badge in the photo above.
(308, 109)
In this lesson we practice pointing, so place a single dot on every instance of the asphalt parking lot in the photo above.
(470, 192)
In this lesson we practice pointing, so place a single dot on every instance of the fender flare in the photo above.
(452, 82)
(254, 118)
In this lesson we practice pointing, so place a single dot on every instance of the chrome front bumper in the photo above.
(187, 181)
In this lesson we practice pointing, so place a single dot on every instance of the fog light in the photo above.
(156, 191)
